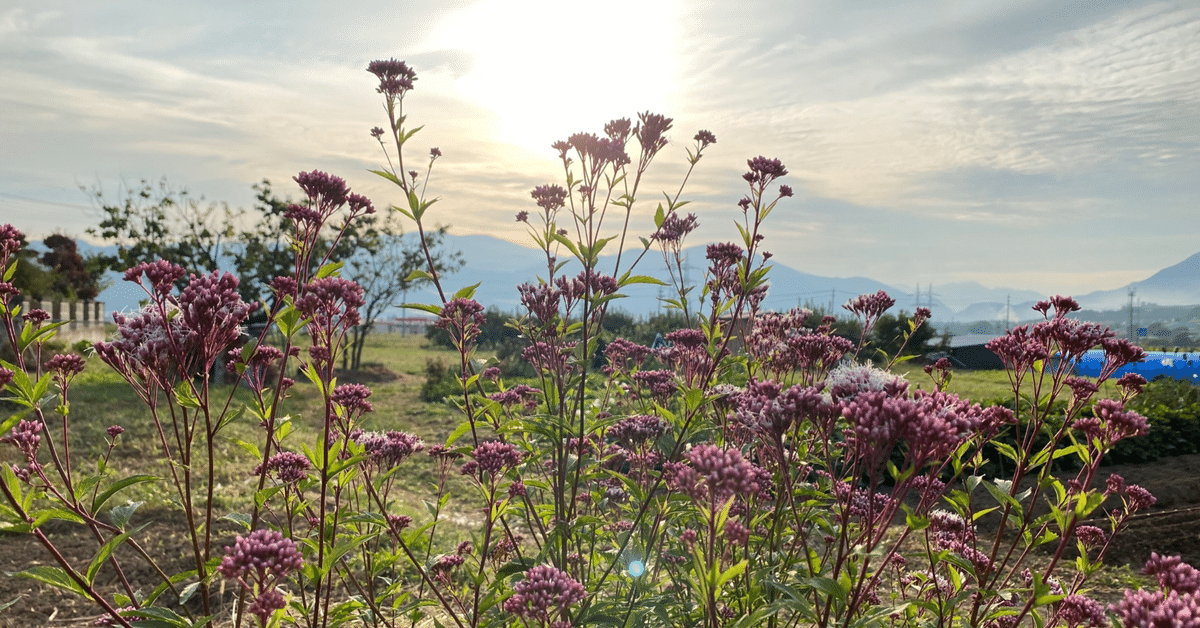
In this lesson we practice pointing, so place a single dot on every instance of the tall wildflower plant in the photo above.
(751, 472)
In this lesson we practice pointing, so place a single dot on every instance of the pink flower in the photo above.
(544, 593)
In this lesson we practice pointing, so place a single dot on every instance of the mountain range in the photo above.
(500, 265)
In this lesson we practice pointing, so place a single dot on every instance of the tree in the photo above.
(889, 335)
(150, 223)
(71, 275)
(384, 272)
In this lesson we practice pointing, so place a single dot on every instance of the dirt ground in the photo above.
(1171, 527)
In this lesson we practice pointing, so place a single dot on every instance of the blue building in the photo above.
(1182, 365)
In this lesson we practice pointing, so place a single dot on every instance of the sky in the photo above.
(1052, 146)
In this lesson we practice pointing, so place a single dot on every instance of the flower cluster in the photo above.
(395, 77)
(544, 593)
(352, 398)
(495, 457)
(635, 430)
(259, 561)
(712, 475)
(287, 467)
(1173, 574)
(389, 449)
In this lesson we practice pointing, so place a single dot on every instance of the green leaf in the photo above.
(120, 515)
(53, 576)
(418, 274)
(185, 396)
(118, 486)
(329, 270)
(466, 293)
(389, 176)
(436, 310)
(106, 550)
(642, 279)
(240, 518)
(58, 514)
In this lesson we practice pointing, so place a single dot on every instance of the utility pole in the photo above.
(1007, 309)
(1132, 291)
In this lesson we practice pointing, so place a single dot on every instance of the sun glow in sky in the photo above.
(543, 67)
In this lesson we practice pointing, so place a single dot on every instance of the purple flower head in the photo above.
(549, 197)
(711, 475)
(1090, 536)
(704, 138)
(545, 593)
(462, 317)
(618, 130)
(785, 191)
(212, 309)
(1018, 349)
(1119, 352)
(398, 522)
(262, 556)
(376, 132)
(724, 253)
(287, 467)
(495, 457)
(622, 352)
(1173, 574)
(1077, 611)
(674, 228)
(650, 132)
(660, 384)
(870, 306)
(353, 397)
(542, 300)
(26, 437)
(1139, 498)
(763, 171)
(387, 450)
(284, 286)
(931, 424)
(522, 394)
(114, 431)
(523, 216)
(331, 302)
(1112, 422)
(147, 347)
(635, 430)
(161, 275)
(66, 365)
(1154, 609)
(1082, 388)
(491, 373)
(326, 191)
(11, 241)
(1114, 484)
(434, 153)
(37, 316)
(1132, 383)
(395, 77)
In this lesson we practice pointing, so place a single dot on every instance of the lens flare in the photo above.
(636, 568)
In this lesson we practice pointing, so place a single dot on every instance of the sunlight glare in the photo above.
(549, 69)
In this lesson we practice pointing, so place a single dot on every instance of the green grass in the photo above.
(982, 385)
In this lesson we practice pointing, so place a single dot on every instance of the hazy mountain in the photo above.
(500, 265)
(1174, 285)
(964, 294)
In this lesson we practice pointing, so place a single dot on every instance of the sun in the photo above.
(548, 69)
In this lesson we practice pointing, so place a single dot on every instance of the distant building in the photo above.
(969, 351)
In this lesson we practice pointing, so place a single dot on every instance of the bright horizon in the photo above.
(1029, 145)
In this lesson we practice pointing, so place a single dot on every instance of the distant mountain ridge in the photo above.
(500, 265)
